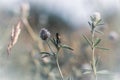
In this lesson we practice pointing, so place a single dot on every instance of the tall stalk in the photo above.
(93, 54)
(58, 65)
(57, 61)
(95, 40)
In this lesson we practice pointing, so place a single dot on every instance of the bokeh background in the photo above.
(69, 18)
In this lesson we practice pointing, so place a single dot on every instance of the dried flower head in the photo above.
(96, 17)
(44, 34)
(14, 36)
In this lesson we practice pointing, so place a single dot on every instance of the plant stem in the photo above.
(50, 47)
(93, 55)
(32, 33)
(57, 62)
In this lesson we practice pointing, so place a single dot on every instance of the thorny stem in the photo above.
(93, 55)
(57, 61)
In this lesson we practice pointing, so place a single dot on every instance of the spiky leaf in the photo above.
(89, 23)
(97, 41)
(98, 22)
(98, 47)
(88, 41)
(54, 43)
(104, 72)
(97, 61)
(66, 47)
(45, 53)
(99, 32)
(92, 19)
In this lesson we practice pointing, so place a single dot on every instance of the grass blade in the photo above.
(88, 41)
(99, 32)
(97, 41)
(98, 47)
(66, 46)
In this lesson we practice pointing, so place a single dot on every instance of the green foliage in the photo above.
(94, 42)
(47, 53)
(86, 38)
(98, 47)
(58, 45)
(97, 41)
(99, 32)
(66, 47)
(53, 40)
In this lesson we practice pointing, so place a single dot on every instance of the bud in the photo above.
(58, 38)
(44, 34)
(96, 16)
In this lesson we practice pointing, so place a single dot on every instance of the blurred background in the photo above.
(70, 19)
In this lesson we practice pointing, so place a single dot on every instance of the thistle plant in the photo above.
(56, 41)
(95, 40)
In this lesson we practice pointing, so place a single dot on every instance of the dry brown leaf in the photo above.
(14, 36)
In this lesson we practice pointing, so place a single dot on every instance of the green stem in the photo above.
(58, 65)
(57, 62)
(93, 56)
(50, 47)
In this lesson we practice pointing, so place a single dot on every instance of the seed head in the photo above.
(14, 36)
(96, 16)
(44, 34)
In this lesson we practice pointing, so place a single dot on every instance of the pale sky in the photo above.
(73, 11)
